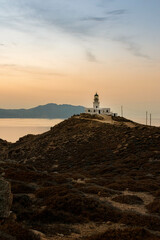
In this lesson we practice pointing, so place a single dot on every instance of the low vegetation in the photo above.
(128, 199)
(74, 175)
(125, 234)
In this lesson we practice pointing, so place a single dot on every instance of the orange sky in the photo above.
(64, 55)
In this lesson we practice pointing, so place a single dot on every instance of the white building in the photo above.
(97, 110)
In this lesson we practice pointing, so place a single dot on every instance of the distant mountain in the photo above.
(50, 110)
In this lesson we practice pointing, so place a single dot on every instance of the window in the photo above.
(106, 110)
(96, 106)
(94, 110)
(88, 110)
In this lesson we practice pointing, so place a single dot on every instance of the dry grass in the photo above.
(125, 234)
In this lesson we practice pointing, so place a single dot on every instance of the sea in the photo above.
(11, 129)
(154, 121)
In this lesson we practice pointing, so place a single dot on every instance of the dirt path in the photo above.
(85, 230)
(146, 197)
(108, 119)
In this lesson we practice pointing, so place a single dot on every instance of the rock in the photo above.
(149, 175)
(2, 162)
(13, 217)
(6, 236)
(5, 198)
(109, 223)
(38, 234)
(22, 199)
(55, 166)
(60, 235)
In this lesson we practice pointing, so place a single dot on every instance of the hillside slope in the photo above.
(88, 175)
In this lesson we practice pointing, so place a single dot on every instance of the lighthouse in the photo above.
(96, 102)
(96, 108)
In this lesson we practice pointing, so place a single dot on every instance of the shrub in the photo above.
(103, 192)
(22, 188)
(135, 219)
(154, 207)
(125, 234)
(17, 231)
(128, 199)
(69, 200)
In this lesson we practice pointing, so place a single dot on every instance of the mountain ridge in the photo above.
(50, 110)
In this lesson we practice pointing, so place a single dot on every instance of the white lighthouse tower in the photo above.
(96, 102)
(96, 108)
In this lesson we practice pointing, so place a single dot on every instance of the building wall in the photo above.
(98, 111)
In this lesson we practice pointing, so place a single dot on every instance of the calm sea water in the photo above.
(154, 122)
(12, 129)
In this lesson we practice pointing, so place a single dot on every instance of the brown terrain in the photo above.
(88, 178)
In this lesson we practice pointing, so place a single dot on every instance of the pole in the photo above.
(121, 111)
(146, 118)
(150, 119)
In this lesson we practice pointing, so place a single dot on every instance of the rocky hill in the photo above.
(89, 177)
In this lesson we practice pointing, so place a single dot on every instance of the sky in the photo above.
(63, 51)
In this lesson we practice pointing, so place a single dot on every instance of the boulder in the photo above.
(5, 199)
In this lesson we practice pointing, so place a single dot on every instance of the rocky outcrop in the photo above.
(4, 149)
(5, 199)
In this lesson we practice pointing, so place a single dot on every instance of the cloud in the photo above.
(80, 17)
(97, 19)
(32, 70)
(132, 46)
(90, 56)
(111, 15)
(8, 65)
(117, 12)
